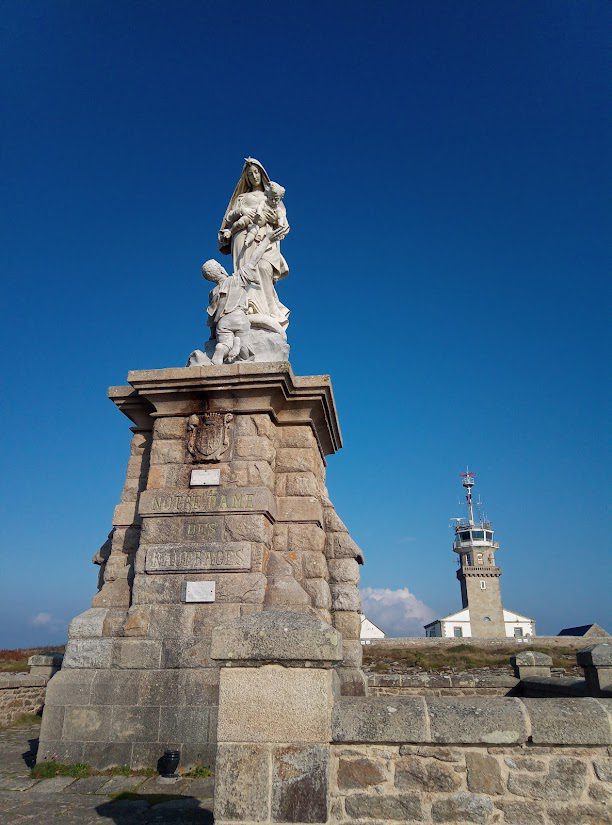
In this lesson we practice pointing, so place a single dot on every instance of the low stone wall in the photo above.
(20, 693)
(441, 684)
(436, 642)
(501, 760)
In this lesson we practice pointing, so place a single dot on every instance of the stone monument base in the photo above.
(224, 514)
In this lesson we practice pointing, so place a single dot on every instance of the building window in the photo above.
(464, 536)
(478, 535)
(483, 584)
(457, 631)
(518, 632)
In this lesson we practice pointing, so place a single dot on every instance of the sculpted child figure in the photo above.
(228, 303)
(253, 220)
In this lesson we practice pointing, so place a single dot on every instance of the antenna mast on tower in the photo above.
(468, 482)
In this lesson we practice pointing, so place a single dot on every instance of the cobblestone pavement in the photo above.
(91, 800)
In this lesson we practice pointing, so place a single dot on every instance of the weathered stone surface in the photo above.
(416, 773)
(137, 653)
(87, 724)
(344, 570)
(462, 807)
(274, 703)
(568, 721)
(134, 724)
(353, 653)
(241, 787)
(478, 720)
(297, 460)
(318, 590)
(345, 597)
(599, 655)
(348, 623)
(521, 813)
(603, 769)
(88, 653)
(314, 566)
(70, 687)
(277, 635)
(352, 681)
(291, 436)
(566, 779)
(361, 773)
(168, 452)
(341, 546)
(585, 814)
(396, 808)
(525, 763)
(301, 484)
(305, 537)
(254, 528)
(299, 783)
(300, 508)
(88, 625)
(104, 755)
(483, 774)
(254, 447)
(184, 724)
(175, 427)
(380, 720)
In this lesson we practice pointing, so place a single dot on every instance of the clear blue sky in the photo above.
(446, 173)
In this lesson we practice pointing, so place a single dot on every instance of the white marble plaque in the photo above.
(199, 591)
(205, 478)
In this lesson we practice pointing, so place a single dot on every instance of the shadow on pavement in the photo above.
(132, 809)
(29, 757)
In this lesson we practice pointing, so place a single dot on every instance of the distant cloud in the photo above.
(397, 612)
(45, 620)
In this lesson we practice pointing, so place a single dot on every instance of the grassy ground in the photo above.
(459, 658)
(16, 661)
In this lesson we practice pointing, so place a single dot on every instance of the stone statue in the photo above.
(228, 303)
(246, 317)
(256, 201)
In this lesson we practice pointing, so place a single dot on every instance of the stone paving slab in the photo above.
(53, 785)
(88, 801)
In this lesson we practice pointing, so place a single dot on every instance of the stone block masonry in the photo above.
(263, 536)
(20, 693)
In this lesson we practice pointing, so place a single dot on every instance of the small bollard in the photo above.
(596, 662)
(529, 663)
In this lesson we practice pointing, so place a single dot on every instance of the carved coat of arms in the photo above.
(208, 435)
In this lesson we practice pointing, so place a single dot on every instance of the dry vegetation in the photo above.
(16, 661)
(455, 659)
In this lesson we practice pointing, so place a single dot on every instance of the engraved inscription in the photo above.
(171, 558)
(203, 530)
(212, 502)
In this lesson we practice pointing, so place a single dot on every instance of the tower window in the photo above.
(483, 584)
(478, 535)
(489, 536)
(486, 618)
(464, 536)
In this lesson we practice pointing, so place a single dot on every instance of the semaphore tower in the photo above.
(478, 573)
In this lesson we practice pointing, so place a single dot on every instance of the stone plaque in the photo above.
(205, 478)
(184, 558)
(199, 591)
(217, 500)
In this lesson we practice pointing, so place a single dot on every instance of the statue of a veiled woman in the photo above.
(254, 211)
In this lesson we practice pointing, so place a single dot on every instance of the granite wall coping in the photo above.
(472, 720)
(21, 680)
